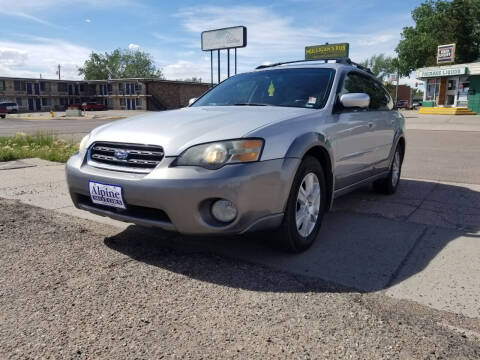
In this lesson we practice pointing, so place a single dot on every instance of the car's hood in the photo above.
(177, 130)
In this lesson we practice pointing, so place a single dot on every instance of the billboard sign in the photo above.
(227, 38)
(327, 51)
(446, 54)
(440, 72)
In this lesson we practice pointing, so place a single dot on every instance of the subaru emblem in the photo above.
(121, 154)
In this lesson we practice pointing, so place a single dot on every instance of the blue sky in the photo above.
(36, 35)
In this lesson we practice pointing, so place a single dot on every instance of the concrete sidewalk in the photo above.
(421, 244)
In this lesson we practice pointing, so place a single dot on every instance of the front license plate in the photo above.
(106, 194)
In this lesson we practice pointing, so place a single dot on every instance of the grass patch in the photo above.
(47, 147)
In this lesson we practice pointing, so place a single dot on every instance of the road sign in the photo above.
(327, 51)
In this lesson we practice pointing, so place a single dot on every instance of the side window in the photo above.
(389, 100)
(353, 83)
(357, 83)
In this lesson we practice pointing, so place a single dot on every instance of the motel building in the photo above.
(451, 89)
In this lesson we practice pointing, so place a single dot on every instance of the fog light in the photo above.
(224, 211)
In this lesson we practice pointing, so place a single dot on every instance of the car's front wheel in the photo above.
(305, 207)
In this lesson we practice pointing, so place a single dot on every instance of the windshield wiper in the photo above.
(251, 104)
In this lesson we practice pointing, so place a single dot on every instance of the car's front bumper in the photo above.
(179, 198)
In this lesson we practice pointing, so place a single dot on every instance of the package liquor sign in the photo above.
(327, 51)
(446, 54)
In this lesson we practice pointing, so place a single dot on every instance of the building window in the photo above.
(19, 85)
(138, 102)
(2, 85)
(122, 101)
(44, 86)
(463, 88)
(62, 87)
(82, 87)
(138, 87)
(19, 101)
(432, 89)
(120, 87)
(45, 101)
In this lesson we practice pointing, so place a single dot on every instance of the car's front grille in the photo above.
(130, 156)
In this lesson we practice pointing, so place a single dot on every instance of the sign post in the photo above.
(224, 39)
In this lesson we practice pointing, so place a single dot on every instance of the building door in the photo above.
(133, 104)
(37, 88)
(452, 89)
(38, 104)
(129, 104)
(30, 102)
(29, 88)
(70, 89)
(442, 91)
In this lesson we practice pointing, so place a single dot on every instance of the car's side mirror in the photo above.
(355, 100)
(191, 101)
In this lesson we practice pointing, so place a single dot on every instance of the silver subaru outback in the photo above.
(268, 149)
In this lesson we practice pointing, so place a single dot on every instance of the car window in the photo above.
(306, 87)
(357, 83)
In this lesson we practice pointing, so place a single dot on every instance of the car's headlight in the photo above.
(217, 154)
(83, 143)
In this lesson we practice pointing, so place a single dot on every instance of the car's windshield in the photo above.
(305, 88)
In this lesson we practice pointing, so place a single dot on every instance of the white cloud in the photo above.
(133, 46)
(186, 69)
(88, 20)
(41, 56)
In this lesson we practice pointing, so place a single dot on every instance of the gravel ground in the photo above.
(74, 289)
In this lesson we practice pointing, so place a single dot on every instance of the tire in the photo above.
(2, 116)
(389, 184)
(293, 238)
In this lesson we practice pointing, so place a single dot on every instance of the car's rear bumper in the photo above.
(179, 198)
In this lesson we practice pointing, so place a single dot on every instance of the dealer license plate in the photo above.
(106, 194)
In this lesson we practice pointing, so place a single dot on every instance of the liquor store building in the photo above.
(453, 86)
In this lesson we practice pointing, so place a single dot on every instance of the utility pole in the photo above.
(58, 71)
(396, 88)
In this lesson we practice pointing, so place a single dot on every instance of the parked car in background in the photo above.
(416, 105)
(268, 149)
(12, 107)
(91, 106)
(73, 106)
(3, 112)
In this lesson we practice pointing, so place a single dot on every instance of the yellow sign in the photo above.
(271, 89)
(327, 51)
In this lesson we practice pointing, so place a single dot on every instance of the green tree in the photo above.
(439, 22)
(120, 64)
(380, 65)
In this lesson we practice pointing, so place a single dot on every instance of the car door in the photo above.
(382, 130)
(352, 136)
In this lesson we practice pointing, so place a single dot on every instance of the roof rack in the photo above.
(345, 61)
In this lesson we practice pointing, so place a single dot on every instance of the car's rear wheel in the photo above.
(2, 116)
(305, 207)
(389, 184)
